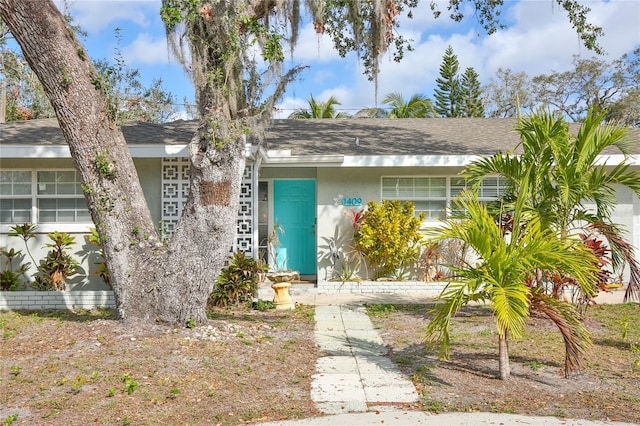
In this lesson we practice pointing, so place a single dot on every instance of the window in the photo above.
(42, 197)
(432, 195)
(15, 197)
(490, 188)
(428, 194)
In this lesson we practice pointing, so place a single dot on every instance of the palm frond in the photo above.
(567, 319)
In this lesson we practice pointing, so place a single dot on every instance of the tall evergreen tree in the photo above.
(472, 104)
(447, 94)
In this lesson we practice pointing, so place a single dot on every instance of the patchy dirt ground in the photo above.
(248, 366)
(80, 369)
(607, 389)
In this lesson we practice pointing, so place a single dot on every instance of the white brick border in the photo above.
(69, 300)
(354, 287)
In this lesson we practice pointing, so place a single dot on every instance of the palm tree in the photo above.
(566, 175)
(499, 273)
(320, 110)
(418, 106)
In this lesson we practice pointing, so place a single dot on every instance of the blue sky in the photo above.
(538, 39)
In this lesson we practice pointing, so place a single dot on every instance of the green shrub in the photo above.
(238, 282)
(389, 237)
(11, 277)
(58, 265)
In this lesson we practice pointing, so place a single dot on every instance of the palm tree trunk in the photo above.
(503, 357)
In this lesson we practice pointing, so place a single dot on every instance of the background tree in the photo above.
(235, 93)
(129, 97)
(25, 98)
(320, 109)
(417, 106)
(508, 93)
(471, 94)
(448, 92)
(594, 83)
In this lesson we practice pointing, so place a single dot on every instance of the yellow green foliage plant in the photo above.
(389, 237)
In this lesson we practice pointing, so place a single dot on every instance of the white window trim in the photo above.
(44, 228)
(447, 198)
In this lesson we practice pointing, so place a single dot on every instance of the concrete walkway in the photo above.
(355, 375)
(356, 384)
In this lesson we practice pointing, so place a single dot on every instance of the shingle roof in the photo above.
(47, 132)
(430, 136)
(436, 136)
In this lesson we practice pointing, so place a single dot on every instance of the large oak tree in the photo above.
(235, 91)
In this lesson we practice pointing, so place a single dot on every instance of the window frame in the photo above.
(36, 197)
(500, 186)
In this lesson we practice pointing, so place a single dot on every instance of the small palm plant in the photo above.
(500, 276)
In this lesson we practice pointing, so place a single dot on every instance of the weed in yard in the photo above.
(636, 363)
(8, 421)
(432, 406)
(15, 370)
(77, 383)
(265, 338)
(381, 311)
(51, 413)
(404, 360)
(191, 323)
(625, 327)
(95, 375)
(130, 386)
(308, 312)
(289, 344)
(487, 332)
(174, 393)
(112, 392)
(263, 305)
(534, 365)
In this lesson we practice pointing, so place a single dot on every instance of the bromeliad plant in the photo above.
(388, 236)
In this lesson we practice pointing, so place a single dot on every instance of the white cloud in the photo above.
(145, 50)
(94, 16)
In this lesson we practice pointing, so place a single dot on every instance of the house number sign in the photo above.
(351, 201)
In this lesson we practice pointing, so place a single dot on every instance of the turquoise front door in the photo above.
(294, 209)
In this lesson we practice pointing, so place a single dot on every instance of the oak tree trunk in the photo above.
(151, 280)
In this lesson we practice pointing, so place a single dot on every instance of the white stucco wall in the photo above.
(364, 183)
(149, 173)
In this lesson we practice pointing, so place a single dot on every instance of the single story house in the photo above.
(307, 177)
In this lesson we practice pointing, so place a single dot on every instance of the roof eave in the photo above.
(137, 151)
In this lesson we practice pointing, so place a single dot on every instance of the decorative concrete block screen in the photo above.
(175, 189)
(42, 300)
